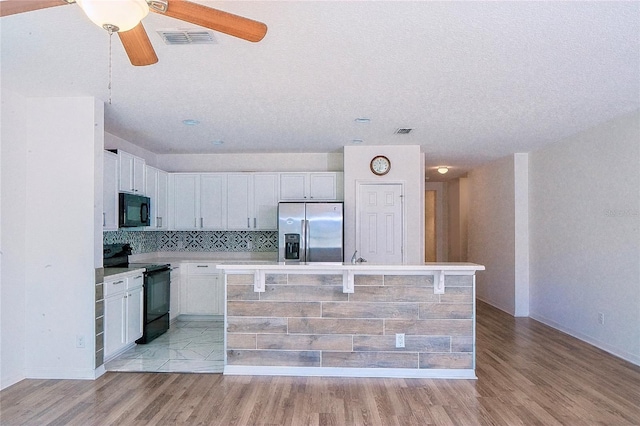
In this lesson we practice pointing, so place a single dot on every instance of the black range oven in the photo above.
(156, 293)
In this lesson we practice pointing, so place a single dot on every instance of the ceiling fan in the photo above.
(125, 16)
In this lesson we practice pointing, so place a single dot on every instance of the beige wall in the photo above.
(407, 167)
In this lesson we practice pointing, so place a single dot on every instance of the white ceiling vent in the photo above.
(180, 37)
(402, 131)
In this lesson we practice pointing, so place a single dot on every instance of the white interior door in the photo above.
(379, 233)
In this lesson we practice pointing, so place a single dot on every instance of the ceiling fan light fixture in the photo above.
(115, 15)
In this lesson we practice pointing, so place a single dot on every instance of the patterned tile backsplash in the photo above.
(190, 241)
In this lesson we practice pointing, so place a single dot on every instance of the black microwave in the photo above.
(133, 211)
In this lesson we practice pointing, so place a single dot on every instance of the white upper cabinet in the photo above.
(186, 198)
(212, 198)
(132, 173)
(313, 186)
(110, 192)
(156, 188)
(252, 201)
(199, 201)
(265, 201)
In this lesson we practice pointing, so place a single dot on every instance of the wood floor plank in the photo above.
(528, 374)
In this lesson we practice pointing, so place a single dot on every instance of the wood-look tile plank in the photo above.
(335, 326)
(331, 342)
(369, 310)
(303, 293)
(274, 309)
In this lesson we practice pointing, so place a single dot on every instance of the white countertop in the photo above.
(356, 268)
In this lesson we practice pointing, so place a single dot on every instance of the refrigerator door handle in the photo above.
(305, 241)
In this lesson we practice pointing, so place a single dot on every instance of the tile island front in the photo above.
(346, 320)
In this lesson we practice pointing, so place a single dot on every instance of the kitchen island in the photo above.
(350, 320)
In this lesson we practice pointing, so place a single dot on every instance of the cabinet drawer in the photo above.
(115, 286)
(135, 281)
(202, 268)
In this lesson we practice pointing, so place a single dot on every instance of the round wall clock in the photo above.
(380, 165)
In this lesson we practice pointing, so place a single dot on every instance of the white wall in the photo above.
(457, 214)
(492, 241)
(50, 285)
(294, 162)
(585, 235)
(13, 140)
(407, 166)
(115, 142)
(441, 218)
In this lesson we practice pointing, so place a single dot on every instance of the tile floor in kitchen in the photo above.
(188, 347)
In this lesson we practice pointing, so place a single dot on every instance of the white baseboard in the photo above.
(11, 380)
(632, 358)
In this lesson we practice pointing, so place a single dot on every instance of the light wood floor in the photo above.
(527, 374)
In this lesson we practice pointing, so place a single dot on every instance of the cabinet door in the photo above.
(212, 205)
(202, 298)
(156, 185)
(138, 175)
(176, 287)
(218, 291)
(322, 186)
(151, 190)
(185, 189)
(110, 192)
(265, 201)
(125, 177)
(114, 324)
(134, 314)
(293, 186)
(238, 214)
(162, 186)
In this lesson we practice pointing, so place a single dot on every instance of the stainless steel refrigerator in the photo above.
(310, 232)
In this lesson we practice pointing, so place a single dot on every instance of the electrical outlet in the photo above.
(400, 340)
(600, 318)
(79, 341)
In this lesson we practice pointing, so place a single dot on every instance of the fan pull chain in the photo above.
(110, 60)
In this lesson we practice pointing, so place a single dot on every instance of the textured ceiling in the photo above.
(475, 80)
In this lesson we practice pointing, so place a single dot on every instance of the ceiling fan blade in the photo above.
(217, 20)
(12, 7)
(138, 46)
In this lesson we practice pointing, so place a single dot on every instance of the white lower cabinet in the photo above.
(123, 310)
(202, 292)
(176, 285)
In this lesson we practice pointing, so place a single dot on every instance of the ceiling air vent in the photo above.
(402, 131)
(181, 37)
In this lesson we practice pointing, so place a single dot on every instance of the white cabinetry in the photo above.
(176, 285)
(252, 201)
(131, 176)
(110, 192)
(123, 306)
(199, 201)
(314, 186)
(156, 188)
(203, 291)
